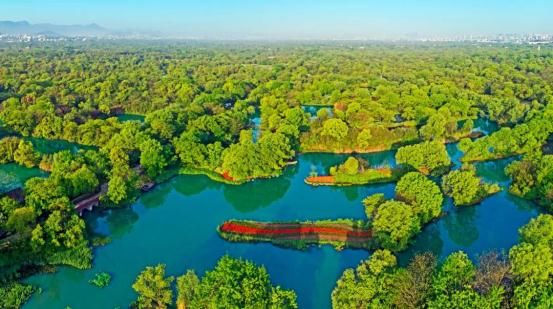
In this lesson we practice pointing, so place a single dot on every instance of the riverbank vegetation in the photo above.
(14, 295)
(525, 137)
(465, 188)
(533, 178)
(233, 283)
(520, 280)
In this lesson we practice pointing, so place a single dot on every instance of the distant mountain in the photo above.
(24, 27)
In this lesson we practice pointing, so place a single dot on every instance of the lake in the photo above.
(175, 224)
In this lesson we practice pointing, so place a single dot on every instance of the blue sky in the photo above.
(294, 19)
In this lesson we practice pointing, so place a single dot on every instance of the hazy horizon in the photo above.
(288, 19)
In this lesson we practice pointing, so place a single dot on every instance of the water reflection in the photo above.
(455, 154)
(351, 193)
(429, 240)
(157, 197)
(521, 204)
(257, 194)
(460, 224)
(189, 185)
(494, 171)
(120, 221)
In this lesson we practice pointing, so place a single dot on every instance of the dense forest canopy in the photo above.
(239, 112)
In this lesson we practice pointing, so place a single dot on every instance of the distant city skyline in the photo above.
(293, 19)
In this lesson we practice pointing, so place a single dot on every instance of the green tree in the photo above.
(14, 295)
(364, 138)
(394, 224)
(8, 147)
(334, 128)
(117, 189)
(153, 157)
(25, 154)
(83, 180)
(462, 186)
(372, 202)
(233, 283)
(434, 129)
(422, 194)
(532, 262)
(153, 288)
(21, 219)
(426, 157)
(188, 286)
(370, 285)
(351, 166)
(466, 188)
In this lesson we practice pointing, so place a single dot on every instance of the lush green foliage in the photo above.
(527, 137)
(233, 283)
(369, 286)
(394, 224)
(14, 149)
(153, 288)
(14, 295)
(532, 264)
(523, 280)
(418, 201)
(253, 160)
(426, 157)
(101, 280)
(533, 178)
(466, 188)
(422, 194)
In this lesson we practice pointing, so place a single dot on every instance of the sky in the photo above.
(294, 19)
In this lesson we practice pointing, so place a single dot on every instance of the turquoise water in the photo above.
(313, 109)
(485, 126)
(13, 176)
(176, 224)
(256, 127)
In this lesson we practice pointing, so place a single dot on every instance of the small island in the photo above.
(355, 172)
(429, 158)
(341, 234)
(101, 280)
(465, 188)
